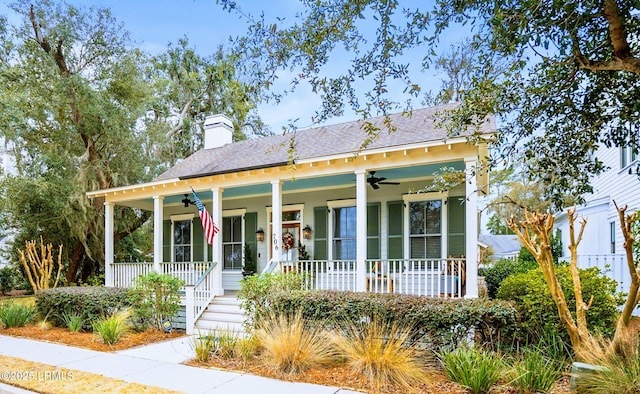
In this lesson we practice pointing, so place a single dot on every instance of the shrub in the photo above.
(474, 369)
(437, 322)
(291, 347)
(7, 279)
(538, 312)
(93, 303)
(15, 315)
(111, 328)
(156, 298)
(259, 291)
(383, 353)
(202, 346)
(535, 373)
(247, 348)
(502, 269)
(74, 321)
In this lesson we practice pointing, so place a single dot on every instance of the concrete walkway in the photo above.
(153, 365)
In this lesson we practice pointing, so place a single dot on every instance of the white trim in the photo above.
(184, 216)
(351, 202)
(181, 218)
(430, 196)
(234, 212)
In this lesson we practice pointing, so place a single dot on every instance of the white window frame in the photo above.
(337, 204)
(444, 228)
(180, 218)
(230, 213)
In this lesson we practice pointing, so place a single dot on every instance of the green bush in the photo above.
(535, 373)
(15, 315)
(538, 312)
(156, 298)
(93, 303)
(436, 322)
(502, 269)
(111, 328)
(258, 292)
(7, 279)
(474, 369)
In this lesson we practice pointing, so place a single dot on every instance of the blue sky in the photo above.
(155, 23)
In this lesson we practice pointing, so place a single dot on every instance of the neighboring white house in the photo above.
(502, 246)
(602, 243)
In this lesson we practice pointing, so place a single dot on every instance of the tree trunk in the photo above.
(77, 257)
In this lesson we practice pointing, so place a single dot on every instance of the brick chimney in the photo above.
(218, 131)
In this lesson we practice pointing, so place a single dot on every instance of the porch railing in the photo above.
(426, 277)
(199, 295)
(125, 273)
(189, 272)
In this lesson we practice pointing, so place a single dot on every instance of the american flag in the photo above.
(210, 228)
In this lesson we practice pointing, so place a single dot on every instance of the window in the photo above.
(612, 236)
(627, 156)
(344, 233)
(425, 232)
(232, 242)
(182, 241)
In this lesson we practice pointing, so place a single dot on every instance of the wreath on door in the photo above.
(287, 241)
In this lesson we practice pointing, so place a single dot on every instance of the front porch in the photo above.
(439, 278)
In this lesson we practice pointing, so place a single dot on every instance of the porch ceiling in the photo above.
(400, 174)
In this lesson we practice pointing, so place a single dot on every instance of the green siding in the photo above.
(166, 240)
(456, 227)
(250, 228)
(198, 240)
(373, 231)
(395, 211)
(320, 246)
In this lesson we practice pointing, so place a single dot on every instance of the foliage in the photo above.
(617, 372)
(249, 263)
(259, 291)
(247, 347)
(15, 315)
(202, 346)
(290, 346)
(7, 279)
(74, 321)
(83, 109)
(538, 313)
(436, 322)
(383, 353)
(111, 328)
(535, 373)
(93, 303)
(546, 69)
(501, 269)
(474, 369)
(156, 297)
(40, 266)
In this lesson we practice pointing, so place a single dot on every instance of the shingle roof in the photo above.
(342, 138)
(501, 244)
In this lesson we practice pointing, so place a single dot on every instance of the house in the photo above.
(503, 246)
(602, 242)
(351, 207)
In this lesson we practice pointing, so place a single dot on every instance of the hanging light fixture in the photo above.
(306, 232)
(260, 235)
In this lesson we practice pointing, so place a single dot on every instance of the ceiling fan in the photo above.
(375, 181)
(186, 201)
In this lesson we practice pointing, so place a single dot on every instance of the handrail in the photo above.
(198, 296)
(271, 265)
(205, 273)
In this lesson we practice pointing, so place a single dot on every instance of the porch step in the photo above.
(223, 313)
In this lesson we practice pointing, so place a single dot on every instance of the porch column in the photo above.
(471, 230)
(108, 244)
(158, 216)
(276, 219)
(361, 230)
(216, 254)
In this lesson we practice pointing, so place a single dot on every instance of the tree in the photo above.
(534, 231)
(567, 85)
(83, 110)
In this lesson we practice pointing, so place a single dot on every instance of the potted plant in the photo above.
(249, 266)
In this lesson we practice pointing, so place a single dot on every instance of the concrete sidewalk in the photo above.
(153, 365)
